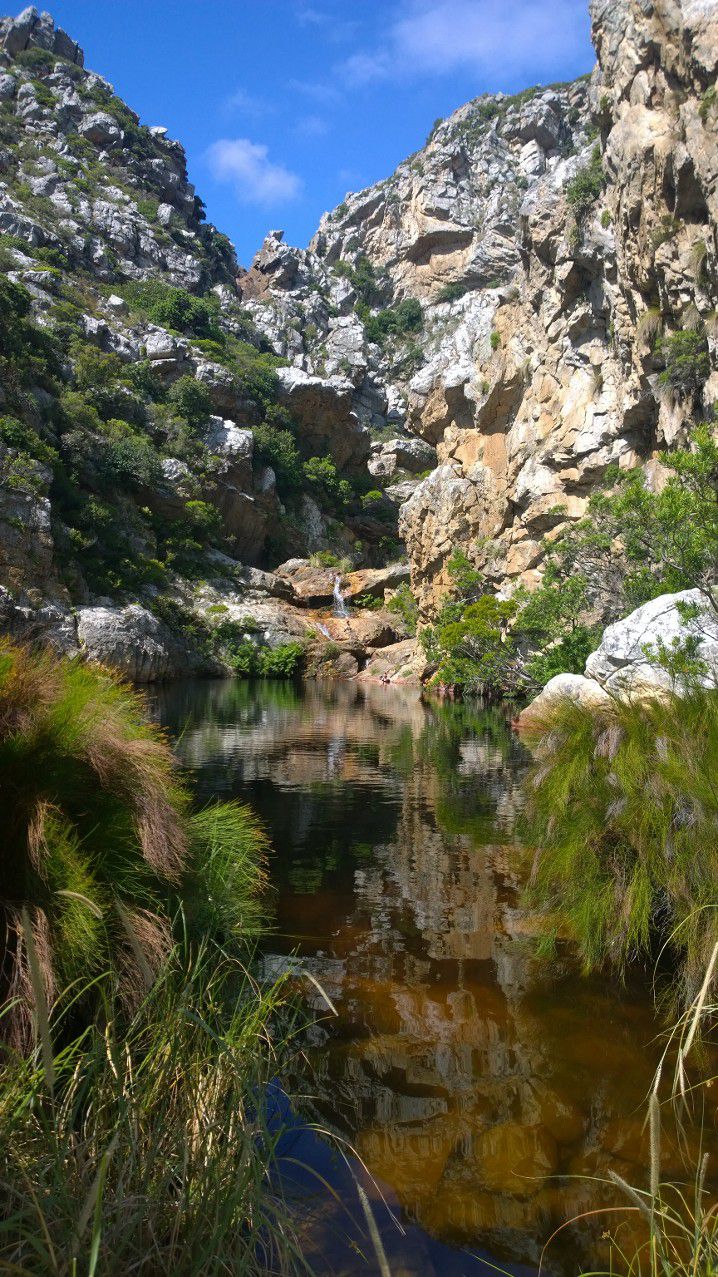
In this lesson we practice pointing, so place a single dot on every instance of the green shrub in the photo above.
(407, 317)
(281, 662)
(25, 438)
(321, 478)
(174, 307)
(36, 59)
(98, 829)
(495, 340)
(249, 658)
(636, 543)
(191, 400)
(687, 362)
(403, 603)
(451, 292)
(708, 101)
(585, 187)
(277, 448)
(94, 368)
(148, 208)
(622, 807)
(128, 457)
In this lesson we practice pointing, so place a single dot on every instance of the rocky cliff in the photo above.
(555, 242)
(155, 455)
(456, 360)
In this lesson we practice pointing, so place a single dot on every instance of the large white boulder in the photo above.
(132, 640)
(625, 662)
(563, 687)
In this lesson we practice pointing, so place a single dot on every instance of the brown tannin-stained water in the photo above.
(487, 1089)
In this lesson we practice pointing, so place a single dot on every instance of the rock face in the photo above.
(476, 335)
(536, 366)
(133, 641)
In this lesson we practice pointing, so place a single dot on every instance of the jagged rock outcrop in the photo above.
(550, 239)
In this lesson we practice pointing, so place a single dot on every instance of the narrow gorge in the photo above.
(191, 450)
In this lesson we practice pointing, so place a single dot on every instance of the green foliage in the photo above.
(191, 400)
(364, 282)
(470, 641)
(403, 603)
(249, 658)
(93, 368)
(322, 480)
(451, 292)
(637, 543)
(128, 458)
(174, 307)
(687, 362)
(407, 317)
(28, 355)
(148, 208)
(551, 624)
(35, 59)
(621, 805)
(495, 340)
(585, 187)
(708, 101)
(98, 829)
(25, 438)
(277, 448)
(434, 128)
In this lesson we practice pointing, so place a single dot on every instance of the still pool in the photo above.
(487, 1089)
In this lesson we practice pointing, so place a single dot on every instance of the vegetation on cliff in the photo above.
(640, 538)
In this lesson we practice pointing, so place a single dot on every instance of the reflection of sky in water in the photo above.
(480, 1083)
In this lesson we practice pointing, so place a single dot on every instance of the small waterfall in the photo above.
(323, 630)
(340, 607)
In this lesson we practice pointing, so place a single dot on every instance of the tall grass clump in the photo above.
(666, 1227)
(100, 843)
(622, 808)
(151, 1151)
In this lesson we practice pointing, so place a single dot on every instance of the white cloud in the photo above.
(247, 104)
(498, 40)
(311, 126)
(316, 91)
(327, 23)
(256, 179)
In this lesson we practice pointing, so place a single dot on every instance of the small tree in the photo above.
(687, 362)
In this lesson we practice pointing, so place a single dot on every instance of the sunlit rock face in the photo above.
(535, 369)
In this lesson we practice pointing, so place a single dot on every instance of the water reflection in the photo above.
(489, 1089)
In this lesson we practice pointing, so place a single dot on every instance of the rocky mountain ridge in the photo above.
(455, 361)
(552, 239)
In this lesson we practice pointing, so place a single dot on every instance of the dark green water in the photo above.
(489, 1089)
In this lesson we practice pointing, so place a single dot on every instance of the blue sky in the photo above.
(285, 105)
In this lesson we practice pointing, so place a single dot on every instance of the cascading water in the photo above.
(340, 607)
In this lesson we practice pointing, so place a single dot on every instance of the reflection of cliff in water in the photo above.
(471, 1076)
